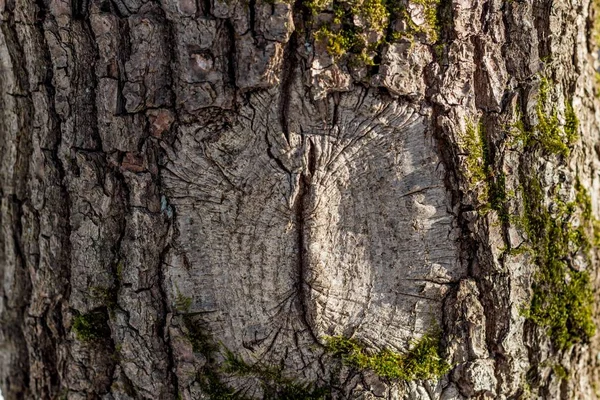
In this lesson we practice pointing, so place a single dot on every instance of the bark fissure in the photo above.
(302, 209)
(287, 80)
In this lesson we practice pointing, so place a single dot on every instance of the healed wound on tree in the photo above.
(423, 361)
(266, 195)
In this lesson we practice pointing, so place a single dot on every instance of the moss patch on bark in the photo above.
(359, 28)
(563, 298)
(91, 327)
(490, 185)
(560, 233)
(423, 361)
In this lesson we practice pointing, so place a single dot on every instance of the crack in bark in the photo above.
(79, 9)
(54, 156)
(231, 55)
(164, 326)
(22, 143)
(289, 67)
(123, 53)
(301, 207)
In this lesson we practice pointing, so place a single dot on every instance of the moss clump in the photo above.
(352, 23)
(337, 43)
(562, 299)
(571, 124)
(553, 137)
(423, 361)
(182, 303)
(561, 372)
(549, 133)
(91, 327)
(477, 158)
(498, 196)
(491, 186)
(356, 23)
(107, 296)
(432, 27)
(316, 6)
(374, 13)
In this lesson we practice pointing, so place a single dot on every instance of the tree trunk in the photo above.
(327, 199)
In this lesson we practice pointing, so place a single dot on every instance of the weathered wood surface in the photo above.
(161, 160)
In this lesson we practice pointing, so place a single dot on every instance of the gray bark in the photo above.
(185, 176)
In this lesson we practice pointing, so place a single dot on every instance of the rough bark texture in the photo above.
(176, 174)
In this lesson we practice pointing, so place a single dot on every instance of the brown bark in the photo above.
(177, 174)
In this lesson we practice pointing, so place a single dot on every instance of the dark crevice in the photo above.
(79, 9)
(63, 270)
(123, 54)
(163, 326)
(206, 7)
(25, 289)
(106, 7)
(312, 159)
(231, 55)
(336, 110)
(114, 8)
(301, 208)
(252, 17)
(289, 67)
(541, 20)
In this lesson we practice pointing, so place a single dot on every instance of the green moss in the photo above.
(316, 6)
(423, 361)
(344, 36)
(182, 303)
(553, 137)
(431, 28)
(373, 12)
(337, 43)
(571, 124)
(498, 196)
(107, 296)
(477, 162)
(561, 372)
(562, 299)
(91, 327)
(356, 20)
(491, 186)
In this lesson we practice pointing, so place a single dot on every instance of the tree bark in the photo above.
(199, 197)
